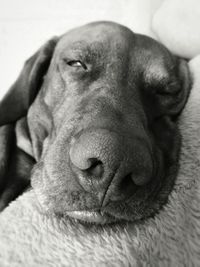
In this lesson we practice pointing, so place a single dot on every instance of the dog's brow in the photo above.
(86, 46)
(85, 50)
(76, 45)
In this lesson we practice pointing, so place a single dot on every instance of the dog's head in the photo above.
(101, 105)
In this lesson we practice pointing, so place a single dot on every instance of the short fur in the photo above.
(98, 92)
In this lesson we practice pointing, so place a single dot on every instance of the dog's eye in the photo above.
(76, 64)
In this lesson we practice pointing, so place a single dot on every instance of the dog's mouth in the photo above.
(96, 217)
(85, 207)
(104, 199)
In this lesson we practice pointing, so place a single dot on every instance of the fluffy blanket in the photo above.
(172, 238)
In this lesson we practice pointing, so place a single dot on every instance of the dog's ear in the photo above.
(182, 88)
(16, 102)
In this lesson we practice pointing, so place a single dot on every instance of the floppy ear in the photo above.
(16, 102)
(6, 143)
(183, 88)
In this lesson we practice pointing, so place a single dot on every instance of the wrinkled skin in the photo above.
(103, 125)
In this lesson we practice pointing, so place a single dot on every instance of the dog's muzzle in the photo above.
(109, 165)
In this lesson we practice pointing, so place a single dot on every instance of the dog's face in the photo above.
(102, 125)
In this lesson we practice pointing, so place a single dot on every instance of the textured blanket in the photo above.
(172, 238)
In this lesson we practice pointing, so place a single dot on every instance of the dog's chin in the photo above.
(134, 213)
(82, 207)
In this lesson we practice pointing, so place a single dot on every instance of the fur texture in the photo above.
(172, 238)
(100, 105)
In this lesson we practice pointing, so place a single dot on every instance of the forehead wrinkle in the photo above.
(84, 49)
(87, 48)
(99, 38)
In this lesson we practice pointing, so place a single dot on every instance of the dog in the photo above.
(91, 124)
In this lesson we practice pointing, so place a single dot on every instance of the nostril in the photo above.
(127, 182)
(127, 186)
(124, 189)
(95, 168)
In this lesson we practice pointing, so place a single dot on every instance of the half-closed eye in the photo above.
(76, 64)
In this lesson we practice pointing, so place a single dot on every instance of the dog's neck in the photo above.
(22, 137)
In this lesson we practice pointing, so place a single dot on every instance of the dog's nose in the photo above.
(100, 158)
(94, 153)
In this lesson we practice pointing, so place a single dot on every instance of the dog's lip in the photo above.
(91, 216)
